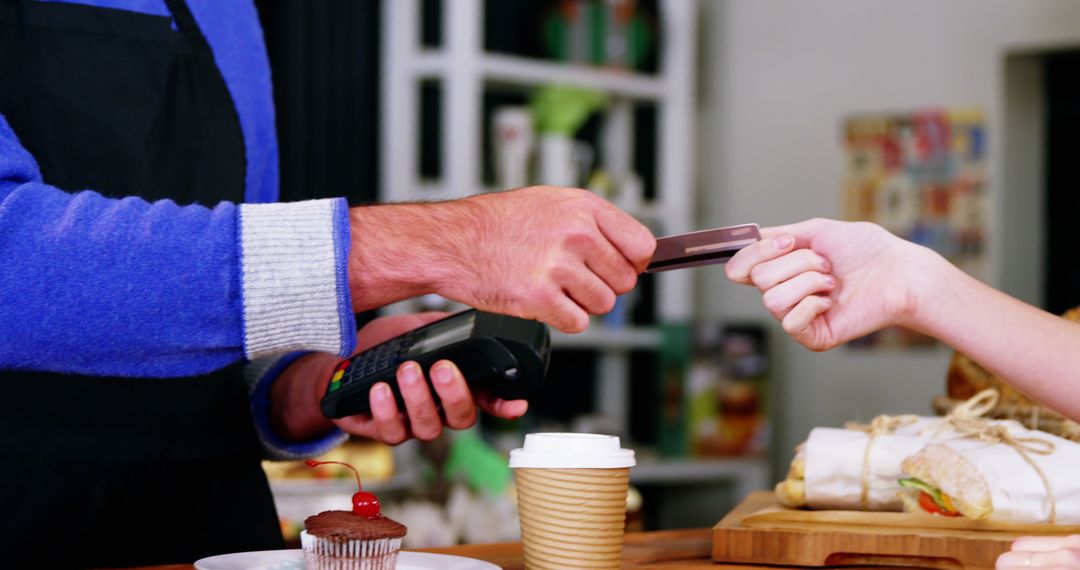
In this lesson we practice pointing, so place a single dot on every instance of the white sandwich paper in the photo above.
(1017, 491)
(834, 469)
(841, 474)
(835, 458)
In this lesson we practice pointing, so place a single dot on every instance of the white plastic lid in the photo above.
(571, 451)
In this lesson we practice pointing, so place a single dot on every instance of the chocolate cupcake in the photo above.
(361, 539)
(339, 540)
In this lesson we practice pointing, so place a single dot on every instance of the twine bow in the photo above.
(970, 424)
(973, 408)
(976, 406)
(881, 425)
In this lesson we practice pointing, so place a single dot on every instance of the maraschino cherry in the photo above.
(364, 503)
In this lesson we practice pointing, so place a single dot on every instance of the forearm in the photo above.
(116, 287)
(97, 285)
(125, 287)
(1034, 350)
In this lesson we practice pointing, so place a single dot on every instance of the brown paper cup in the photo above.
(572, 518)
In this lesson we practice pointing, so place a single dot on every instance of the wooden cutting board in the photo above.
(760, 531)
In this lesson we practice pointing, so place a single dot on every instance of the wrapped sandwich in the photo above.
(848, 469)
(1001, 471)
(858, 467)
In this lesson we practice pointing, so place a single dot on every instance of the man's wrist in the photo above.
(400, 251)
(295, 414)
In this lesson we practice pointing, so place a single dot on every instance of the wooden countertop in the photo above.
(673, 549)
(691, 549)
(669, 550)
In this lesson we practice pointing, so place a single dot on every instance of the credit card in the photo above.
(705, 247)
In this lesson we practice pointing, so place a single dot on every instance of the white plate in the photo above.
(294, 560)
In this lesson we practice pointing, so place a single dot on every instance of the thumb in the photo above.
(803, 232)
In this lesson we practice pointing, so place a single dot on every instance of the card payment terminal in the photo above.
(504, 356)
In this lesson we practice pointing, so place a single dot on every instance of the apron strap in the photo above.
(185, 22)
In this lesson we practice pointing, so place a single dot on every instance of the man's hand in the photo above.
(829, 282)
(294, 399)
(1043, 552)
(551, 254)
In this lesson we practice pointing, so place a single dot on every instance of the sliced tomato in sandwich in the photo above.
(931, 499)
(927, 503)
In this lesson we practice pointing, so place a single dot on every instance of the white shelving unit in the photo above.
(601, 338)
(465, 70)
(287, 488)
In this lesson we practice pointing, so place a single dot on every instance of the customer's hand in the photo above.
(295, 396)
(1060, 552)
(829, 282)
(550, 254)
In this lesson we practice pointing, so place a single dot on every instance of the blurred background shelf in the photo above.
(395, 99)
(677, 492)
(603, 338)
(317, 487)
(444, 82)
(530, 72)
(750, 471)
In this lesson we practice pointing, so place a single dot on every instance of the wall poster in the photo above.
(921, 175)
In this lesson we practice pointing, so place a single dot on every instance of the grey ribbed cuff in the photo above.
(291, 277)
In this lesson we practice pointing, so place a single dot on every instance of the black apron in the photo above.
(125, 471)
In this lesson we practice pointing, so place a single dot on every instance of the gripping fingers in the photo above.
(738, 268)
(633, 240)
(608, 264)
(770, 273)
(507, 409)
(780, 299)
(799, 319)
(388, 421)
(561, 312)
(587, 290)
(564, 302)
(457, 402)
(424, 419)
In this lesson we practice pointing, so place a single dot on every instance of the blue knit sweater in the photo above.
(125, 287)
(99, 286)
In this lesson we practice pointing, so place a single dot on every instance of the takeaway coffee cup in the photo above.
(572, 499)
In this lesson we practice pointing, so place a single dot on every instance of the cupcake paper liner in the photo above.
(325, 554)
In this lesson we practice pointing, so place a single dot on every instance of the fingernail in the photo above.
(440, 373)
(829, 279)
(784, 242)
(825, 265)
(517, 411)
(409, 374)
(382, 393)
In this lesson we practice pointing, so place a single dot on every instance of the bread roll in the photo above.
(791, 492)
(944, 468)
